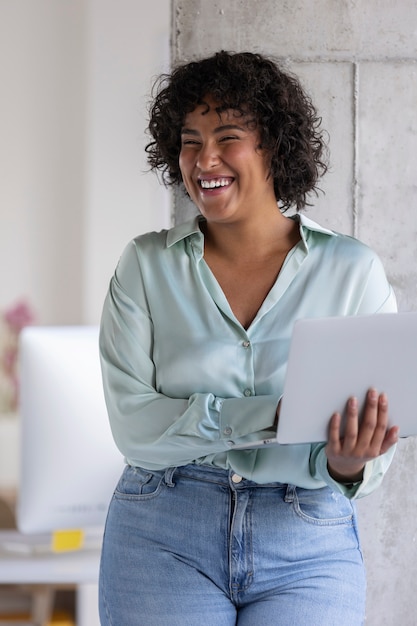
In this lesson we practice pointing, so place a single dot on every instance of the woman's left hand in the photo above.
(362, 441)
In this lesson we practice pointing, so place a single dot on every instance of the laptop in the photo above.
(334, 358)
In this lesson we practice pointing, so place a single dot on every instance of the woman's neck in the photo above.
(256, 240)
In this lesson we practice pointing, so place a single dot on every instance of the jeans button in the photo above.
(236, 478)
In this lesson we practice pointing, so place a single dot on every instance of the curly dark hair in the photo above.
(248, 83)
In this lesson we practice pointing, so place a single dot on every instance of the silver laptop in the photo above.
(334, 358)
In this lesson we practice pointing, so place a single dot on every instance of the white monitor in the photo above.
(69, 463)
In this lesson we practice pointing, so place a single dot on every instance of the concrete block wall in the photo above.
(358, 60)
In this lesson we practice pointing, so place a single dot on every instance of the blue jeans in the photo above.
(200, 546)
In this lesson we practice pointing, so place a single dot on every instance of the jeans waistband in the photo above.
(208, 473)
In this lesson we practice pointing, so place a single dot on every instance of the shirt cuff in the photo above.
(245, 417)
(350, 490)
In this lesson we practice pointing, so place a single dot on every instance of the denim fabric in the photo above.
(199, 546)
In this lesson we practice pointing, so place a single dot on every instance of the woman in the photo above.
(194, 343)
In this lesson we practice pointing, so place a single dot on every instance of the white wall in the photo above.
(73, 79)
(41, 155)
(127, 45)
(74, 75)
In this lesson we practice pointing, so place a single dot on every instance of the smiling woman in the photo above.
(255, 88)
(204, 526)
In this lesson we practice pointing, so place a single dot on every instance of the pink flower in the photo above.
(18, 316)
(15, 319)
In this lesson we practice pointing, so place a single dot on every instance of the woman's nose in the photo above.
(208, 156)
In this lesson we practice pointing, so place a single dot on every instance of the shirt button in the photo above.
(246, 344)
(227, 431)
(247, 393)
(236, 479)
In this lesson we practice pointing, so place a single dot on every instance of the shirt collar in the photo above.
(184, 230)
(307, 226)
(306, 222)
(192, 227)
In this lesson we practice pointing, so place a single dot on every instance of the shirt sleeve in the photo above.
(377, 297)
(150, 428)
(373, 473)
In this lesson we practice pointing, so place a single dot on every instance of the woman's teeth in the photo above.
(212, 184)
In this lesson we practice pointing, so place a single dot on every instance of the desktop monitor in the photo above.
(69, 463)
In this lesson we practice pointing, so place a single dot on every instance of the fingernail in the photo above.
(353, 402)
(383, 399)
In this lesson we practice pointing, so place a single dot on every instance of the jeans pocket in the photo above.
(138, 484)
(322, 506)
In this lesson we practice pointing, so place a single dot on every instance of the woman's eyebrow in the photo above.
(219, 129)
(224, 127)
(189, 131)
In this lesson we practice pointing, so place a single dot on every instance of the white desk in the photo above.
(78, 568)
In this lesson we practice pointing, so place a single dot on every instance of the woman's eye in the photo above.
(228, 138)
(189, 142)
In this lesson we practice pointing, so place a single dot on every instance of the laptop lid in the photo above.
(334, 358)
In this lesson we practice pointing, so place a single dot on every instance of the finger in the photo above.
(391, 438)
(369, 420)
(334, 441)
(381, 426)
(352, 424)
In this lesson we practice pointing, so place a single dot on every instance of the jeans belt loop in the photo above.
(289, 494)
(169, 473)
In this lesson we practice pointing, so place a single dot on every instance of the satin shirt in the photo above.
(185, 382)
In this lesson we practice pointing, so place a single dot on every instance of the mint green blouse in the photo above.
(184, 382)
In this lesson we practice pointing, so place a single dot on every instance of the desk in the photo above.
(78, 568)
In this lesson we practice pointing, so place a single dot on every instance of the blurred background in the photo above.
(74, 81)
(75, 77)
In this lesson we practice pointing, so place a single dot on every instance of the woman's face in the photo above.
(223, 168)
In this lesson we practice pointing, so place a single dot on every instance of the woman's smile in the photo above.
(211, 184)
